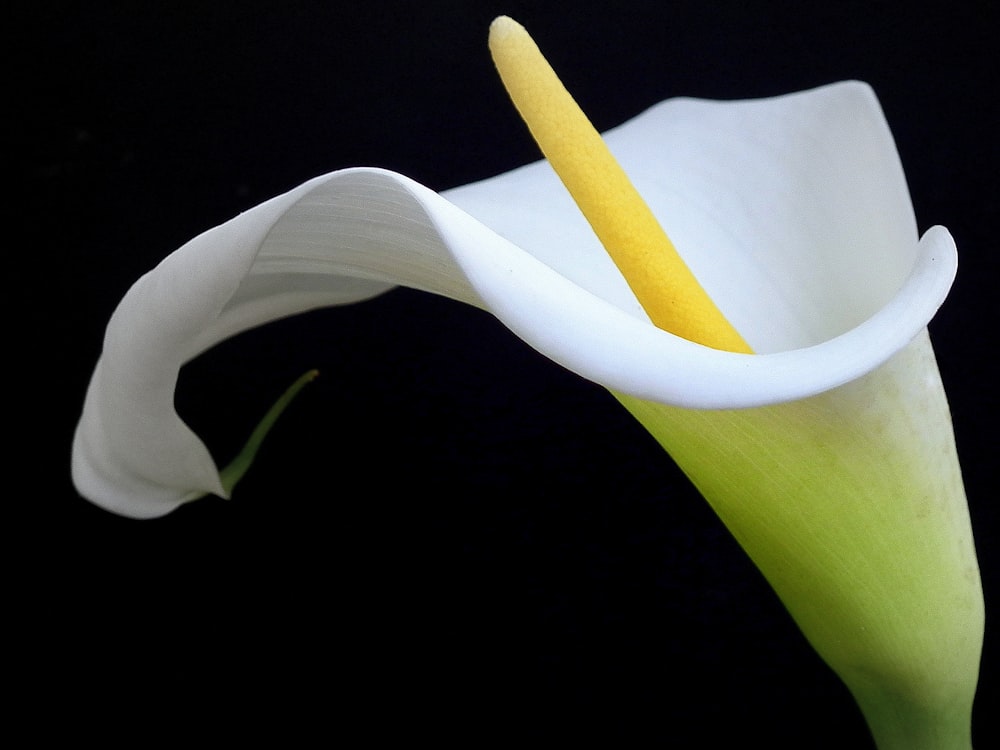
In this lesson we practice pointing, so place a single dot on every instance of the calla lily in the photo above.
(829, 453)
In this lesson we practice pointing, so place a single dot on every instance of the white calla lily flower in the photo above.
(829, 453)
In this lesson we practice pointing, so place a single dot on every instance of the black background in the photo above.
(447, 537)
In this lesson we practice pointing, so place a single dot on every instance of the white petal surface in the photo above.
(793, 211)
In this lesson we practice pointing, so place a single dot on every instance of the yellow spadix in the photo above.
(658, 276)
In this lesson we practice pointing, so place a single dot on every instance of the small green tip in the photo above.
(239, 466)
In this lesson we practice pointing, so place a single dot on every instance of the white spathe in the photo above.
(793, 212)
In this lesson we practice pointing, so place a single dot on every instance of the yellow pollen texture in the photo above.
(658, 276)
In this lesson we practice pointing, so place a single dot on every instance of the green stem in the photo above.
(236, 468)
(898, 722)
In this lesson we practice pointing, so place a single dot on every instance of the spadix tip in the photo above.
(502, 26)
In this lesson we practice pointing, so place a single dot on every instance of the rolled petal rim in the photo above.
(604, 344)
